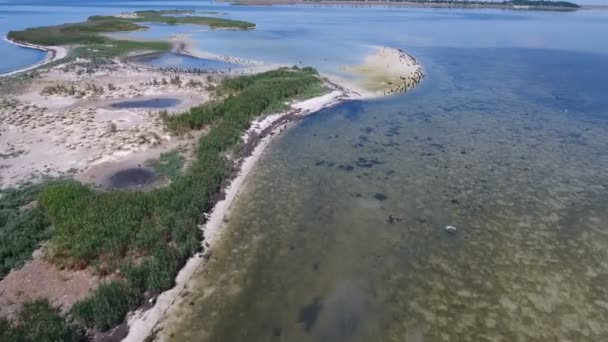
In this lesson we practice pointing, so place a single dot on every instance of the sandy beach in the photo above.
(386, 71)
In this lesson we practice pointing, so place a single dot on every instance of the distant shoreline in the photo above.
(408, 4)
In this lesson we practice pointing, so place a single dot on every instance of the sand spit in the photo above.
(143, 323)
(387, 71)
(184, 45)
(54, 53)
(386, 65)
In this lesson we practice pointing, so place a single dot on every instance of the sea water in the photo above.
(505, 140)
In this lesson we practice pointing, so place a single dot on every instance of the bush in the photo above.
(22, 226)
(107, 306)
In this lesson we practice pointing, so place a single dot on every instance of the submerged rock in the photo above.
(450, 229)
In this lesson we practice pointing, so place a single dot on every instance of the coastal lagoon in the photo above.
(505, 139)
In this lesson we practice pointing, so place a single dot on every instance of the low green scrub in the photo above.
(257, 94)
(149, 236)
(169, 165)
(166, 18)
(23, 226)
(77, 33)
(40, 321)
(119, 48)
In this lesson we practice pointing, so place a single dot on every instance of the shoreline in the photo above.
(404, 4)
(143, 322)
(54, 53)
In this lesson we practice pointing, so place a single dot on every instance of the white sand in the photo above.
(53, 53)
(386, 71)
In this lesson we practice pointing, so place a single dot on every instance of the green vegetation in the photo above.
(148, 236)
(119, 48)
(89, 34)
(39, 321)
(78, 33)
(169, 165)
(257, 94)
(22, 226)
(164, 17)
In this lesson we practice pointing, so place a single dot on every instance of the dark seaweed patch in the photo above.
(438, 146)
(362, 162)
(380, 196)
(309, 314)
(346, 167)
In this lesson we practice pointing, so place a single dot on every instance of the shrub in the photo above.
(107, 306)
(22, 226)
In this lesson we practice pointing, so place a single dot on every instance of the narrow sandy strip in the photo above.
(53, 53)
(142, 323)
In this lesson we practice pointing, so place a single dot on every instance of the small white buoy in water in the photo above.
(450, 229)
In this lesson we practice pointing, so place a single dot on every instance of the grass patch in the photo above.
(169, 165)
(40, 321)
(257, 94)
(165, 17)
(77, 33)
(150, 235)
(89, 34)
(22, 226)
(119, 48)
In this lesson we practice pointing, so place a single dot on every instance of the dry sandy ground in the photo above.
(78, 123)
(39, 279)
